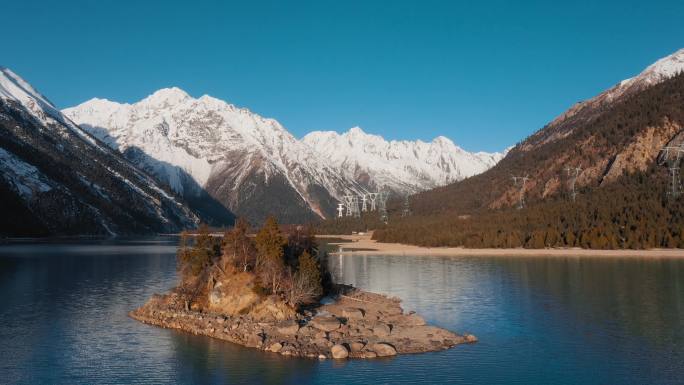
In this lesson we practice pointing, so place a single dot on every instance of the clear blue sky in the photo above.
(486, 75)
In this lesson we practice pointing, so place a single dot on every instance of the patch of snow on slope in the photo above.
(13, 87)
(25, 178)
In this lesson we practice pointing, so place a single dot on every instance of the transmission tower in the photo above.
(407, 207)
(348, 200)
(672, 158)
(340, 210)
(364, 202)
(355, 207)
(382, 205)
(520, 182)
(373, 197)
(573, 173)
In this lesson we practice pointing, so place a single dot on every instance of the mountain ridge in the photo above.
(234, 154)
(404, 166)
(61, 180)
(614, 152)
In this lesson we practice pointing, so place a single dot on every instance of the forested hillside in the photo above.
(621, 201)
(626, 137)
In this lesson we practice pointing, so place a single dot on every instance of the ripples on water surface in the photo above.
(539, 320)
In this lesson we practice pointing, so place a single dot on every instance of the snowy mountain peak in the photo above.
(16, 89)
(655, 73)
(97, 104)
(403, 166)
(249, 163)
(166, 97)
(236, 155)
(13, 87)
(356, 130)
(444, 141)
(662, 69)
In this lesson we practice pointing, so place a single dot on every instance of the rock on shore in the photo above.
(357, 324)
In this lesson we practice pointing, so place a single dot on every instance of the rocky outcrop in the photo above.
(357, 324)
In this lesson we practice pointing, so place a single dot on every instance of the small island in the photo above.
(271, 292)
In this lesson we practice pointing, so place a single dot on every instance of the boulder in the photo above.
(306, 331)
(356, 346)
(352, 313)
(288, 328)
(339, 351)
(321, 335)
(287, 350)
(253, 340)
(381, 330)
(327, 324)
(275, 348)
(384, 349)
(469, 338)
(334, 335)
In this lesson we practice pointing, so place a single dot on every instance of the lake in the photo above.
(539, 320)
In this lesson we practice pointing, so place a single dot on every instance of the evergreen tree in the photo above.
(238, 248)
(270, 254)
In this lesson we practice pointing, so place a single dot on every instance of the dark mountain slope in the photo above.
(57, 180)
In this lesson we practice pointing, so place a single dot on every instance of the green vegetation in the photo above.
(198, 257)
(631, 213)
(285, 265)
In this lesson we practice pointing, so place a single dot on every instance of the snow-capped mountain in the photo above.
(248, 163)
(55, 178)
(402, 166)
(587, 110)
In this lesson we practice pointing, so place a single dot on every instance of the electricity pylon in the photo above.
(355, 206)
(672, 158)
(340, 210)
(373, 197)
(520, 182)
(573, 173)
(382, 205)
(407, 207)
(348, 200)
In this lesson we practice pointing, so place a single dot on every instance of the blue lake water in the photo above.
(540, 321)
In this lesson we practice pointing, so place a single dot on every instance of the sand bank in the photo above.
(364, 245)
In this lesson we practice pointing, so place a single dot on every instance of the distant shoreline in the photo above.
(364, 245)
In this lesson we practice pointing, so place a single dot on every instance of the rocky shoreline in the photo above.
(355, 324)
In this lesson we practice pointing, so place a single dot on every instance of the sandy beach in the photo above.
(364, 245)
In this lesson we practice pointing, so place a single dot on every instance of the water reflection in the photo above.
(613, 318)
(540, 320)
